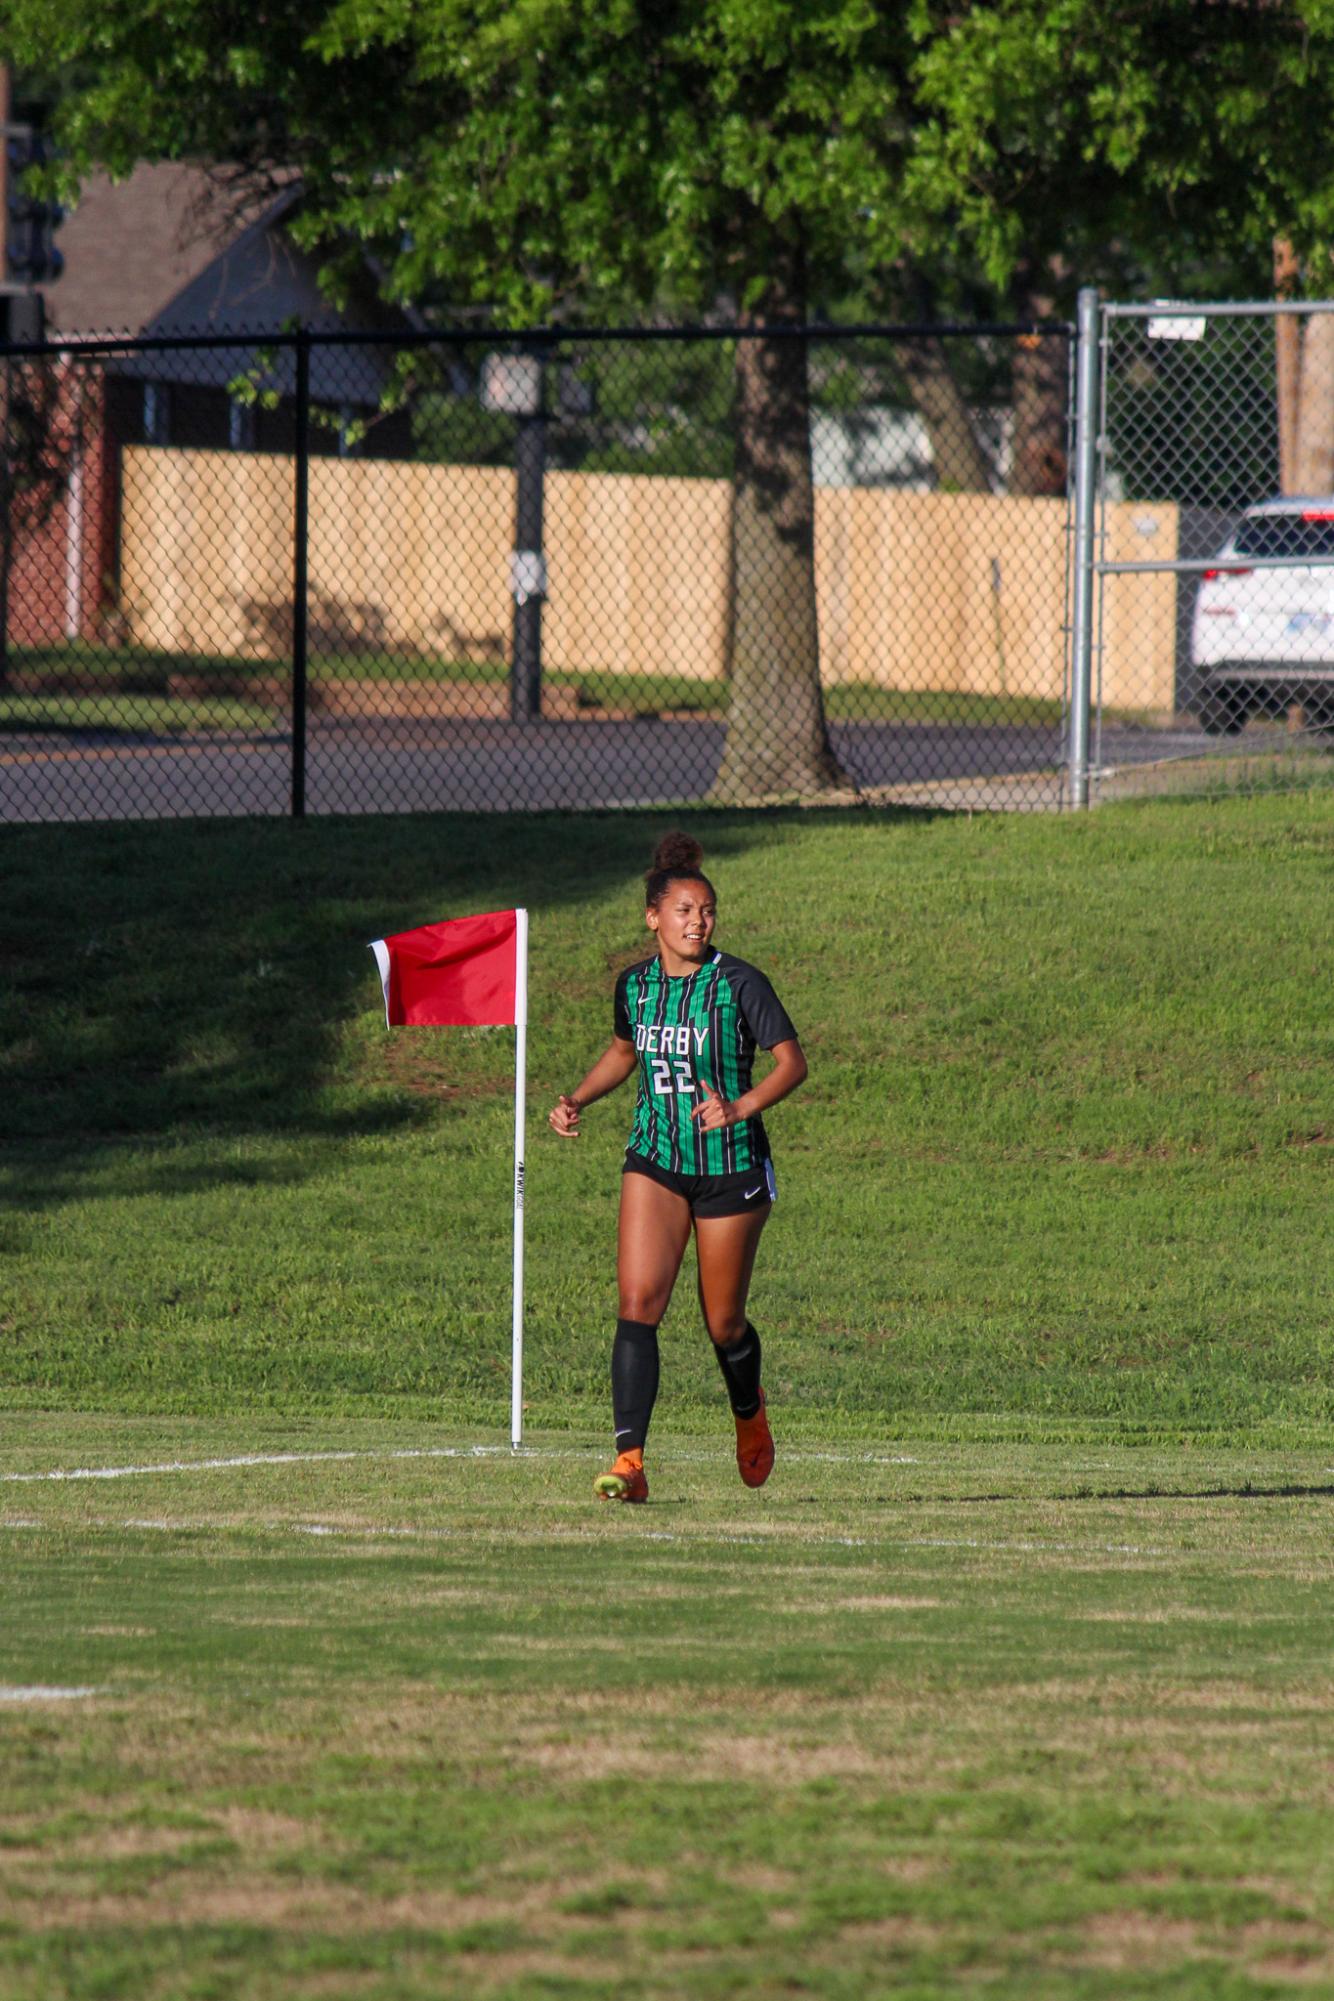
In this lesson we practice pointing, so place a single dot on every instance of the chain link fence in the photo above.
(1212, 624)
(334, 572)
(323, 572)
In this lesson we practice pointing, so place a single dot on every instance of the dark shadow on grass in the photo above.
(174, 980)
(1244, 1492)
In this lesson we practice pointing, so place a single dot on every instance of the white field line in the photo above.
(249, 1459)
(38, 1693)
(773, 1536)
(375, 1532)
(419, 1452)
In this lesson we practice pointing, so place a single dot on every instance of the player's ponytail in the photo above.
(678, 857)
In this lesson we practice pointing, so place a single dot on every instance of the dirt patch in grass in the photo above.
(334, 1910)
(1160, 1615)
(343, 1911)
(264, 1625)
(1295, 1951)
(781, 1760)
(252, 1830)
(252, 1827)
(896, 1934)
(914, 1868)
(1138, 1941)
(768, 1882)
(1293, 1970)
(1128, 1693)
(422, 1066)
(872, 1603)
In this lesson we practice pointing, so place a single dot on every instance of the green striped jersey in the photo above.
(703, 1028)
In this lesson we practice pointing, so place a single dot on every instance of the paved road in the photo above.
(381, 766)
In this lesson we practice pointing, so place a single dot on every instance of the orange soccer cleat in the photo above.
(626, 1481)
(754, 1447)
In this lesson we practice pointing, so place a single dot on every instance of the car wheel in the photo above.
(1223, 711)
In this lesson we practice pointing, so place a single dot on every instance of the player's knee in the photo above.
(643, 1303)
(725, 1328)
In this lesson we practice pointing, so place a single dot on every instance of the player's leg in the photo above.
(653, 1233)
(726, 1246)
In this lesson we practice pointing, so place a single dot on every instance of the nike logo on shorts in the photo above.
(751, 1193)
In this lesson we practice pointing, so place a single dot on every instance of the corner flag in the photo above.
(459, 974)
(470, 972)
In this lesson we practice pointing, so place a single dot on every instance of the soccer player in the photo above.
(689, 1019)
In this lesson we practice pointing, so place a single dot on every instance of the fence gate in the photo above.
(1203, 597)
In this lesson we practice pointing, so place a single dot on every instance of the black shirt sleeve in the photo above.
(762, 1011)
(620, 1012)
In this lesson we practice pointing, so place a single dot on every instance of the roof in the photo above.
(132, 247)
(178, 248)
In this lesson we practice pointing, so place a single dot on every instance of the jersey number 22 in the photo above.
(662, 1076)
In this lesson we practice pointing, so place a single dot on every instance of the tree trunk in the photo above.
(1041, 416)
(1287, 366)
(1315, 443)
(777, 741)
(960, 462)
(1041, 390)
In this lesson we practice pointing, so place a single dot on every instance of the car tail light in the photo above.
(1209, 575)
(1318, 514)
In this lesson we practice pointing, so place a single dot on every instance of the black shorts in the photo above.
(712, 1194)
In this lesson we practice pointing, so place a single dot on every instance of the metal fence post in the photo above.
(1082, 596)
(300, 563)
(528, 566)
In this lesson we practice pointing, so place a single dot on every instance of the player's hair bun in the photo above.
(678, 857)
(677, 854)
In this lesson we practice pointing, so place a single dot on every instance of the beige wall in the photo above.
(943, 591)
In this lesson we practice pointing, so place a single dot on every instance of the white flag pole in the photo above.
(520, 1093)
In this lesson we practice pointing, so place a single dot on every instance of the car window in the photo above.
(1285, 535)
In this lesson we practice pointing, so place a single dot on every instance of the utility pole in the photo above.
(6, 100)
(528, 579)
(28, 256)
(5, 97)
(516, 385)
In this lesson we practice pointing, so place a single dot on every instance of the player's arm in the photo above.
(611, 1069)
(789, 1070)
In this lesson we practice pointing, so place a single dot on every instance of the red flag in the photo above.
(463, 973)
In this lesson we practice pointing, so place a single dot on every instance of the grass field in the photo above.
(1064, 1155)
(133, 681)
(925, 1721)
(1016, 1679)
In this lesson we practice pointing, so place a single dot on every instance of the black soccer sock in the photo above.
(740, 1364)
(634, 1381)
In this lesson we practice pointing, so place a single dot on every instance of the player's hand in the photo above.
(563, 1118)
(715, 1112)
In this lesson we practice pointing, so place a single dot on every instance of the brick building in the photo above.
(169, 251)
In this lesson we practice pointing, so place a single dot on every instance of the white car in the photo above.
(1262, 640)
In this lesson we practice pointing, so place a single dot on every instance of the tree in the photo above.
(1304, 382)
(546, 158)
(42, 422)
(1133, 135)
(540, 159)
(1154, 149)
